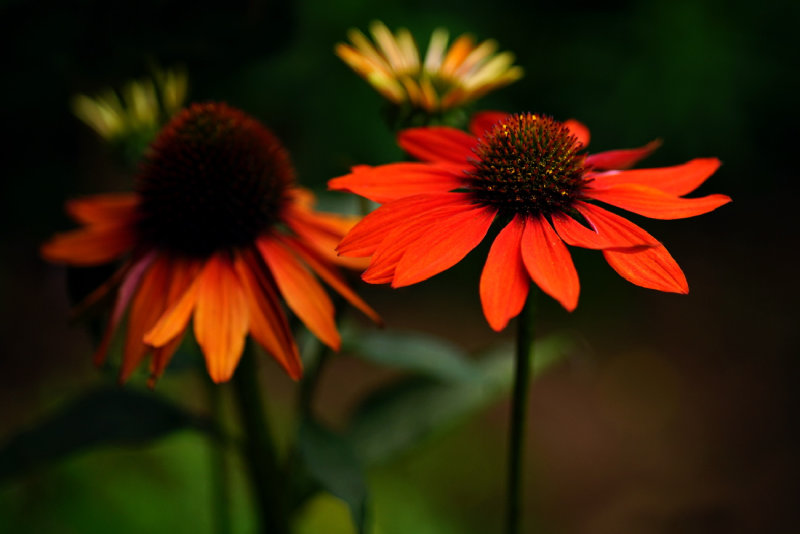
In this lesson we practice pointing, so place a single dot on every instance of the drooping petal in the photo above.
(183, 273)
(653, 203)
(397, 180)
(549, 262)
(103, 209)
(303, 294)
(174, 320)
(650, 267)
(146, 308)
(504, 281)
(579, 130)
(578, 235)
(484, 121)
(621, 159)
(677, 180)
(268, 323)
(610, 227)
(444, 245)
(365, 237)
(438, 144)
(92, 245)
(125, 293)
(221, 317)
(330, 275)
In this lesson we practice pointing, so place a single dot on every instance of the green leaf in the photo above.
(331, 461)
(401, 417)
(103, 417)
(411, 351)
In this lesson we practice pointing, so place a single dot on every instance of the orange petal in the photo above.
(268, 324)
(438, 144)
(302, 292)
(173, 322)
(366, 236)
(608, 236)
(103, 209)
(610, 227)
(549, 263)
(221, 317)
(92, 245)
(580, 131)
(678, 180)
(504, 280)
(148, 304)
(445, 244)
(484, 121)
(654, 203)
(127, 290)
(650, 267)
(621, 159)
(330, 275)
(397, 180)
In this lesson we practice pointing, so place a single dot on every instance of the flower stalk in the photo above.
(519, 410)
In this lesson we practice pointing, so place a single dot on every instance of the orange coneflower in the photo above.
(445, 79)
(216, 230)
(529, 173)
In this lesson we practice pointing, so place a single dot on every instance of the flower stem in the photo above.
(522, 372)
(267, 480)
(220, 479)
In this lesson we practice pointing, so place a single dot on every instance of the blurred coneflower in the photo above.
(217, 230)
(447, 77)
(529, 173)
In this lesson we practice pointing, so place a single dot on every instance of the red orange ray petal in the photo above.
(504, 281)
(676, 180)
(398, 180)
(621, 159)
(653, 203)
(650, 267)
(438, 144)
(549, 262)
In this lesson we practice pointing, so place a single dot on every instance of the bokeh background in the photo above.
(679, 414)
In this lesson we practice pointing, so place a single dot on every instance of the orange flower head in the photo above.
(530, 174)
(216, 232)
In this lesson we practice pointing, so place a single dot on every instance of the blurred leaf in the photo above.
(331, 461)
(324, 513)
(400, 417)
(103, 417)
(411, 351)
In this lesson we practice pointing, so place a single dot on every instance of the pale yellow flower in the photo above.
(447, 77)
(140, 108)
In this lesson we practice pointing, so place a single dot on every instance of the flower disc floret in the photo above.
(528, 164)
(214, 179)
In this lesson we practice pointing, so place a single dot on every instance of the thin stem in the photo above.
(522, 371)
(310, 383)
(267, 480)
(220, 476)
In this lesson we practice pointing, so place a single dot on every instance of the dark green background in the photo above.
(679, 420)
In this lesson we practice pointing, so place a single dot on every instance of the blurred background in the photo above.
(678, 414)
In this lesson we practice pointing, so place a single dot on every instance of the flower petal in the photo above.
(221, 317)
(107, 208)
(147, 306)
(621, 159)
(330, 275)
(654, 203)
(302, 292)
(677, 180)
(580, 131)
(618, 235)
(365, 237)
(484, 121)
(92, 245)
(438, 144)
(650, 267)
(397, 180)
(445, 244)
(611, 228)
(177, 316)
(504, 281)
(268, 323)
(549, 263)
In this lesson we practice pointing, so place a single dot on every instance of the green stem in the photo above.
(267, 480)
(220, 477)
(522, 372)
(310, 382)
